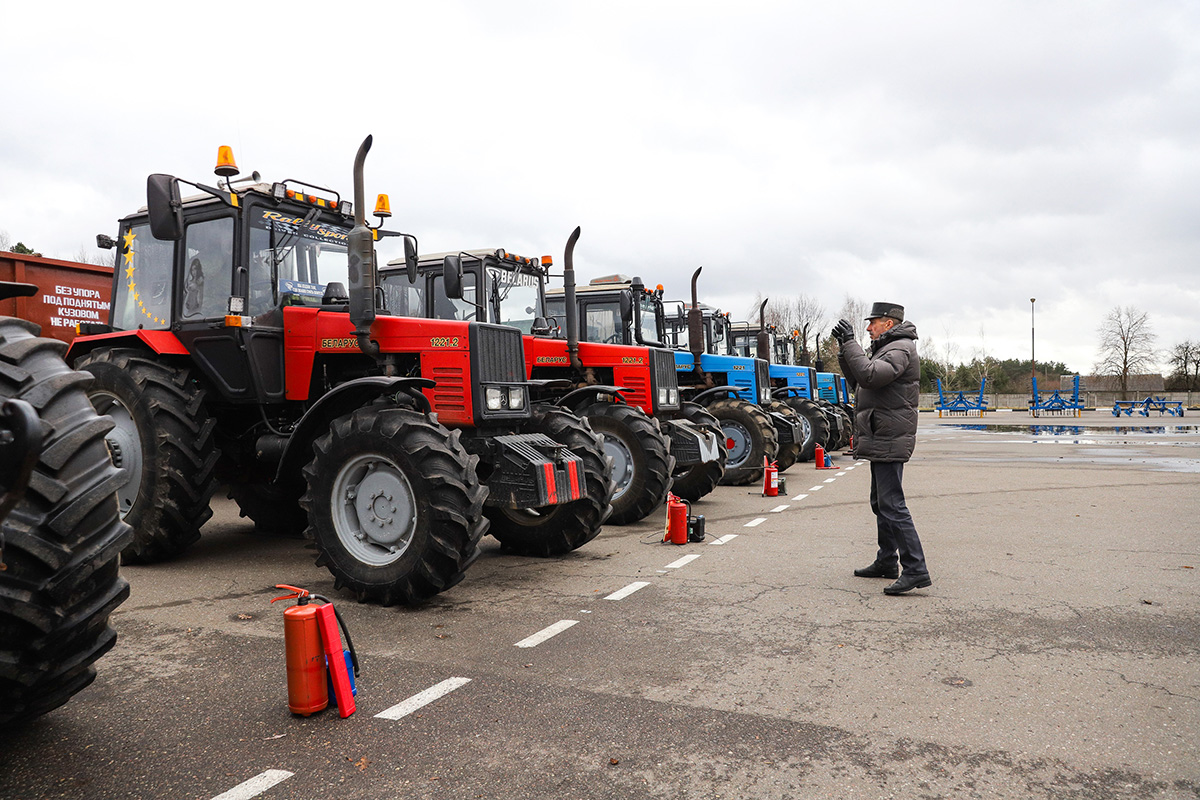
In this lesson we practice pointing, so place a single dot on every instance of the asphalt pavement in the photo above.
(1055, 655)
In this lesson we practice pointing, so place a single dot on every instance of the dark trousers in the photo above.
(897, 534)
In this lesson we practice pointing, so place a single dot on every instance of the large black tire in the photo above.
(835, 425)
(814, 423)
(273, 509)
(847, 416)
(749, 436)
(62, 542)
(163, 438)
(641, 459)
(562, 528)
(395, 508)
(695, 481)
(788, 453)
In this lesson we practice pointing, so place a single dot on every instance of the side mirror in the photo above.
(541, 327)
(165, 207)
(452, 276)
(410, 259)
(626, 309)
(105, 242)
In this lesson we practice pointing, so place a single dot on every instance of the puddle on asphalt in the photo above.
(1079, 430)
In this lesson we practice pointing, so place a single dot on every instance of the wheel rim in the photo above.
(737, 441)
(806, 428)
(374, 510)
(622, 463)
(124, 447)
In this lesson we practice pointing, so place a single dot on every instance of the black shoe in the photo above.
(876, 570)
(908, 583)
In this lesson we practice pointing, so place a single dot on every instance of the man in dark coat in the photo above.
(887, 385)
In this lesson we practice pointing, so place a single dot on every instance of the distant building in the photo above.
(1111, 383)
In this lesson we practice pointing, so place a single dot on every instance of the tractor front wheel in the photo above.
(749, 437)
(816, 426)
(695, 481)
(788, 453)
(641, 459)
(394, 505)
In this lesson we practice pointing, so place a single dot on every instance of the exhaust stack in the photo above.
(362, 261)
(569, 299)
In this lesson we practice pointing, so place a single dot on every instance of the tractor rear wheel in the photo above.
(61, 551)
(816, 426)
(395, 508)
(553, 530)
(693, 482)
(164, 439)
(788, 453)
(835, 425)
(749, 436)
(641, 459)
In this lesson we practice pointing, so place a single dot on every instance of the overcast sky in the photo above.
(958, 158)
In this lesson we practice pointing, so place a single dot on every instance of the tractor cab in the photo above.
(608, 311)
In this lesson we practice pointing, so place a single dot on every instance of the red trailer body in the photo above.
(68, 293)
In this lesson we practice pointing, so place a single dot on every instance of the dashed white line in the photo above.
(727, 537)
(546, 633)
(843, 472)
(777, 509)
(621, 594)
(816, 488)
(683, 561)
(422, 699)
(830, 480)
(798, 498)
(256, 785)
(754, 523)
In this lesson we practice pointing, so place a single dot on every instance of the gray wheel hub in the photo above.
(622, 463)
(124, 446)
(737, 441)
(374, 510)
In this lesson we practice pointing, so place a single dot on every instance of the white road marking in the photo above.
(546, 633)
(683, 561)
(777, 509)
(621, 594)
(830, 480)
(798, 498)
(843, 472)
(816, 488)
(256, 785)
(754, 523)
(727, 537)
(422, 699)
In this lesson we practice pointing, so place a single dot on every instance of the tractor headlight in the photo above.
(664, 396)
(516, 398)
(672, 397)
(494, 397)
(764, 395)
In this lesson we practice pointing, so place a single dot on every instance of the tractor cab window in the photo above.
(145, 280)
(602, 323)
(718, 331)
(556, 313)
(293, 256)
(207, 268)
(649, 315)
(447, 308)
(401, 298)
(514, 297)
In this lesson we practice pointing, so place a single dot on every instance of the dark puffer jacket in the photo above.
(888, 389)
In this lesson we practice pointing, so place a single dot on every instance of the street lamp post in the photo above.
(1032, 342)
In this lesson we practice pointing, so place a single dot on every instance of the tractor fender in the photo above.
(340, 400)
(719, 392)
(163, 343)
(785, 391)
(586, 395)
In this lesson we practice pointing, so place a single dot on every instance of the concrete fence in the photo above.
(1100, 400)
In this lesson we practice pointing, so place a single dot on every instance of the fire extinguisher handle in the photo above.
(296, 592)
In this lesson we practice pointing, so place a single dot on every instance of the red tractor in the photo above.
(629, 394)
(236, 354)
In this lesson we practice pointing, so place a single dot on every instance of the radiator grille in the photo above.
(663, 362)
(498, 353)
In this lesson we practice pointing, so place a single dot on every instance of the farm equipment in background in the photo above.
(959, 403)
(235, 353)
(791, 384)
(628, 394)
(1055, 403)
(61, 534)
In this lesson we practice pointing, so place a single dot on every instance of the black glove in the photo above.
(843, 331)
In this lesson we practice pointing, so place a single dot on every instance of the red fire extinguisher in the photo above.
(314, 655)
(677, 520)
(770, 478)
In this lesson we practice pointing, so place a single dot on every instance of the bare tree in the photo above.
(1184, 360)
(808, 321)
(101, 258)
(5, 242)
(940, 358)
(1126, 345)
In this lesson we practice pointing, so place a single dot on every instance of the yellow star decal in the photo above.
(136, 298)
(129, 273)
(129, 258)
(129, 237)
